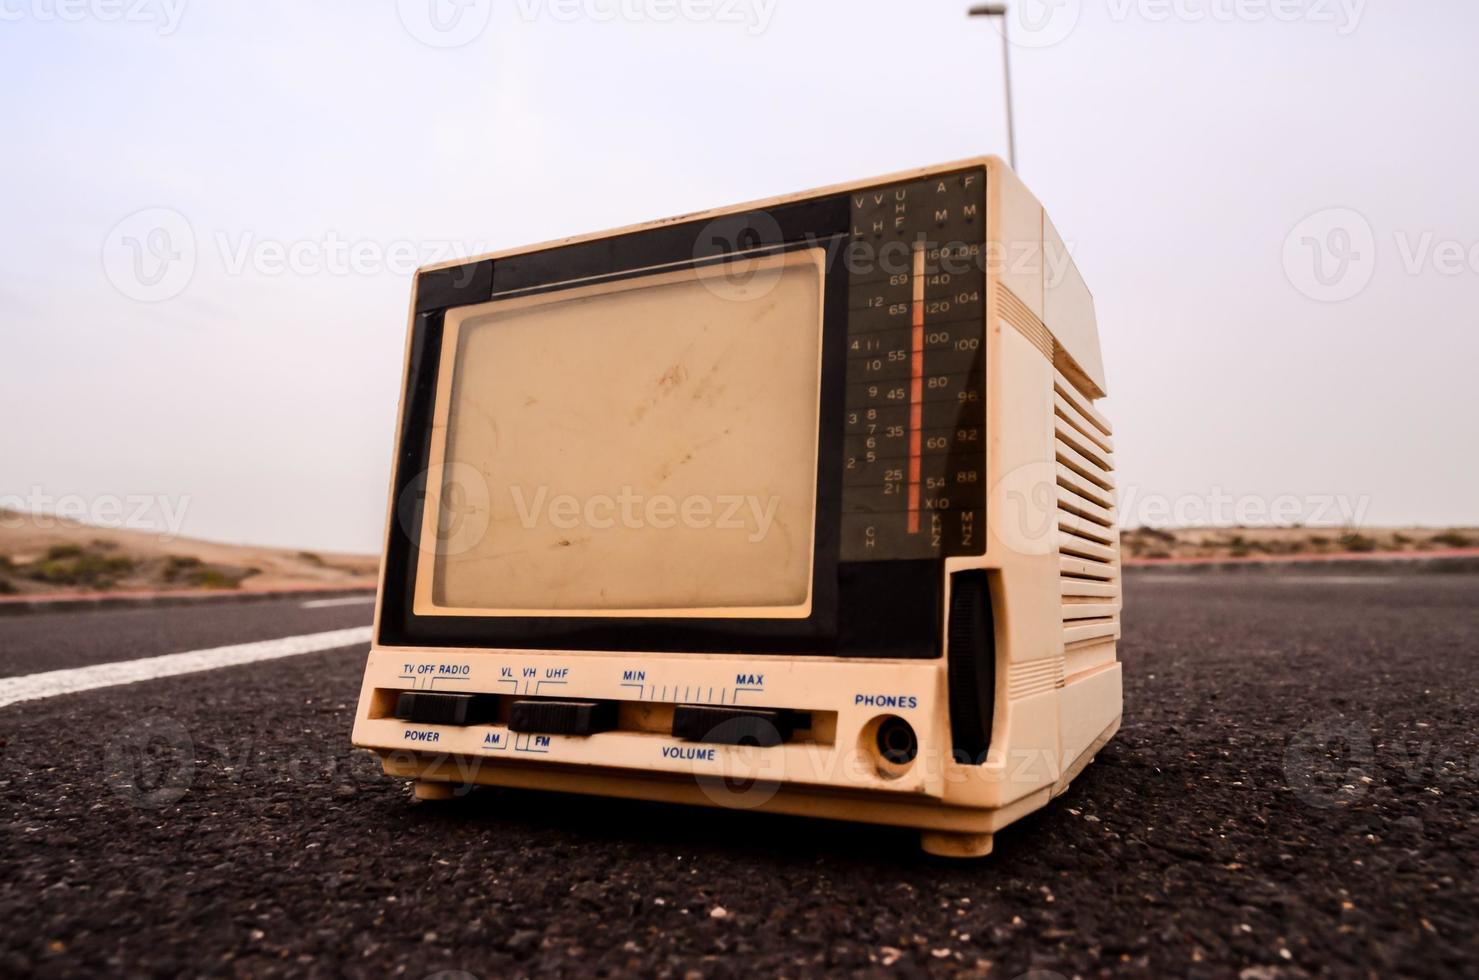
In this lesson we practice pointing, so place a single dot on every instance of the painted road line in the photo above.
(33, 687)
(348, 600)
(1305, 558)
(1221, 579)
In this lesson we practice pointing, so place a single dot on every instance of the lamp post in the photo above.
(1000, 10)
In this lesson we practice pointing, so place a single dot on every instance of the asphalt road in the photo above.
(1293, 793)
(33, 642)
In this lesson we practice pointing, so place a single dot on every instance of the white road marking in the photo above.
(54, 682)
(1341, 579)
(348, 600)
(1212, 578)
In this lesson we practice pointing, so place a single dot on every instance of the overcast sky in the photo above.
(1275, 204)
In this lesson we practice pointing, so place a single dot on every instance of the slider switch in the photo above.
(732, 726)
(439, 708)
(562, 717)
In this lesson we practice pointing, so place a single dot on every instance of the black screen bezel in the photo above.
(888, 609)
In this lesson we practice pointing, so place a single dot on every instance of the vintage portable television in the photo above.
(801, 506)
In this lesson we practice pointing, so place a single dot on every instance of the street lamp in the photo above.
(1000, 10)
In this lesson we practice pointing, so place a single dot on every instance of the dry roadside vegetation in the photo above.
(1291, 542)
(44, 555)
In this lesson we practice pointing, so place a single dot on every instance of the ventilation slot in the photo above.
(1088, 536)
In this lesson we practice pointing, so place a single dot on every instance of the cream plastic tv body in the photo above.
(1051, 561)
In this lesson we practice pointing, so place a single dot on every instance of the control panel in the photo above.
(914, 449)
(825, 722)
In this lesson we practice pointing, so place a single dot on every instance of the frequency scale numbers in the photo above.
(914, 439)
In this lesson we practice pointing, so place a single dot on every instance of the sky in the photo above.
(211, 213)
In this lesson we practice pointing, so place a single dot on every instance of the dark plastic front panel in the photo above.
(901, 464)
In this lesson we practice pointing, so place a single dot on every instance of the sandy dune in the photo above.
(44, 555)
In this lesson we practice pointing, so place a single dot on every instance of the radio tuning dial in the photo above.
(914, 479)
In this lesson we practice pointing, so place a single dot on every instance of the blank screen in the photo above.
(645, 446)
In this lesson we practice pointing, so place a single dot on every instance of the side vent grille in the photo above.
(1088, 535)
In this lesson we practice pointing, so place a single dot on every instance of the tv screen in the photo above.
(640, 446)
